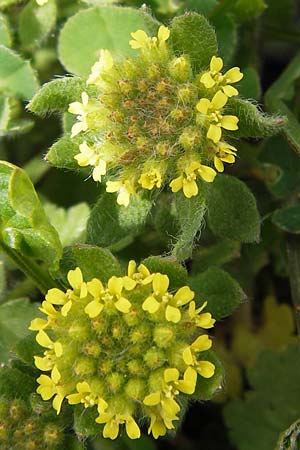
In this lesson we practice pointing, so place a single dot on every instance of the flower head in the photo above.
(114, 349)
(146, 115)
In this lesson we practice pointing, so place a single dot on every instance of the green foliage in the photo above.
(215, 254)
(249, 86)
(27, 347)
(204, 7)
(271, 406)
(109, 223)
(249, 9)
(69, 223)
(252, 122)
(56, 95)
(15, 384)
(193, 24)
(84, 421)
(226, 31)
(222, 293)
(232, 211)
(94, 262)
(9, 125)
(61, 154)
(15, 317)
(24, 225)
(5, 34)
(90, 30)
(189, 214)
(16, 75)
(176, 273)
(288, 219)
(36, 22)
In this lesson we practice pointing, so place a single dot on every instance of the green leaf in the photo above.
(226, 31)
(232, 211)
(189, 213)
(15, 317)
(16, 75)
(94, 262)
(204, 7)
(84, 421)
(222, 293)
(24, 225)
(110, 223)
(36, 22)
(15, 384)
(61, 154)
(56, 95)
(9, 126)
(206, 387)
(249, 9)
(90, 30)
(186, 33)
(281, 167)
(249, 86)
(5, 34)
(216, 254)
(69, 223)
(27, 347)
(271, 406)
(288, 219)
(252, 122)
(5, 3)
(176, 273)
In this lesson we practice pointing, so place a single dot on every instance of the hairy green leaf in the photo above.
(61, 153)
(176, 273)
(288, 219)
(5, 34)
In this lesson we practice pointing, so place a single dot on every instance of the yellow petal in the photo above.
(214, 133)
(229, 122)
(56, 297)
(66, 308)
(74, 399)
(113, 186)
(151, 305)
(203, 105)
(206, 369)
(230, 91)
(190, 188)
(205, 320)
(43, 364)
(83, 387)
(93, 309)
(207, 173)
(38, 324)
(184, 295)
(131, 268)
(57, 402)
(75, 278)
(123, 305)
(58, 349)
(173, 314)
(160, 283)
(202, 343)
(176, 184)
(216, 64)
(163, 33)
(129, 283)
(170, 407)
(43, 339)
(207, 80)
(55, 375)
(171, 375)
(115, 285)
(218, 164)
(234, 75)
(219, 100)
(132, 429)
(152, 399)
(188, 384)
(187, 356)
(95, 287)
(111, 429)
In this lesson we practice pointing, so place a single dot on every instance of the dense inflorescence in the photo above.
(130, 349)
(152, 121)
(22, 426)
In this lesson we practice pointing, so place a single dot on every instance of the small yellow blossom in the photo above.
(210, 110)
(81, 110)
(205, 368)
(224, 153)
(84, 395)
(214, 77)
(136, 275)
(203, 320)
(89, 157)
(43, 339)
(105, 64)
(187, 181)
(124, 189)
(48, 389)
(151, 177)
(113, 421)
(142, 41)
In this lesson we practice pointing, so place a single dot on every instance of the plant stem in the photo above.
(293, 254)
(31, 269)
(222, 6)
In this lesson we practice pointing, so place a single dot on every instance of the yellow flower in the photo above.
(187, 181)
(224, 153)
(44, 341)
(183, 296)
(187, 385)
(160, 284)
(142, 41)
(48, 389)
(214, 77)
(210, 111)
(124, 189)
(205, 368)
(81, 110)
(136, 275)
(113, 420)
(96, 289)
(115, 286)
(105, 64)
(151, 177)
(84, 395)
(88, 157)
(203, 320)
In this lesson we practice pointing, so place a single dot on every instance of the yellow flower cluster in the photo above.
(129, 348)
(153, 117)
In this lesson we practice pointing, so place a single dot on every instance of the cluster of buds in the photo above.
(150, 121)
(131, 349)
(27, 428)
